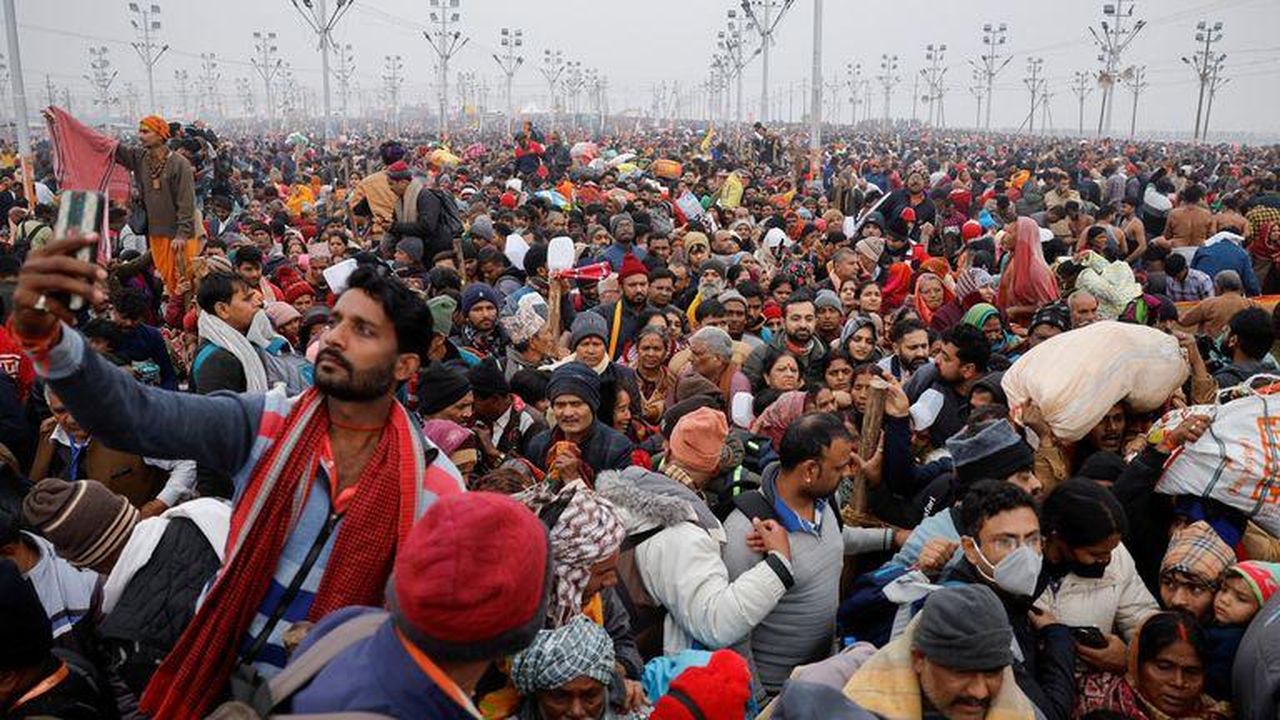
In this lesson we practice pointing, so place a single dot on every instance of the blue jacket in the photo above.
(372, 675)
(1227, 255)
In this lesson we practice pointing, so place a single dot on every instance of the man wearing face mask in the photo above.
(1000, 537)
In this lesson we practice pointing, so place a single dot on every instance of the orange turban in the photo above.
(155, 124)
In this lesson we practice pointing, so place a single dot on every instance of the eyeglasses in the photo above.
(1007, 544)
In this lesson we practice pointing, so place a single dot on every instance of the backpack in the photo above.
(294, 370)
(723, 491)
(450, 224)
(645, 612)
(300, 671)
(758, 452)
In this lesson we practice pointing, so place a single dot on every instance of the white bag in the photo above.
(1236, 461)
(1076, 377)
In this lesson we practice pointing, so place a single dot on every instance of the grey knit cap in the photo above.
(965, 628)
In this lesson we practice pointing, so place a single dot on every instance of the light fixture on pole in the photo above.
(510, 61)
(146, 25)
(446, 42)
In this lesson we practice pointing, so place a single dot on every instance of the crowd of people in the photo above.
(652, 424)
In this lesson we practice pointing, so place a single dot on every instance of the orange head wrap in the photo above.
(155, 124)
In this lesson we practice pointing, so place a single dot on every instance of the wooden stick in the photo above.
(872, 419)
(458, 258)
(555, 288)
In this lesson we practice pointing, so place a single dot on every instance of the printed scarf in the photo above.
(192, 677)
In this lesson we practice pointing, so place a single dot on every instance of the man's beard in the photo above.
(801, 336)
(639, 301)
(915, 364)
(358, 386)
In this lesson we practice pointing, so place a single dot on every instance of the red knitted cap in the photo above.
(719, 690)
(472, 578)
(297, 290)
(631, 265)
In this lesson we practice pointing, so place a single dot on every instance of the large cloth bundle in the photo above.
(1077, 376)
(1236, 461)
(666, 169)
(1112, 284)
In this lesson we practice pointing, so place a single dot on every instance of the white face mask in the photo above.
(1017, 573)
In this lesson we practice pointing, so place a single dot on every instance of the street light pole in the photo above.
(346, 69)
(145, 24)
(268, 64)
(316, 15)
(1081, 88)
(1215, 81)
(993, 36)
(853, 73)
(761, 18)
(446, 44)
(393, 80)
(888, 77)
(16, 84)
(1113, 41)
(1137, 83)
(815, 112)
(1033, 82)
(552, 67)
(510, 62)
(1205, 62)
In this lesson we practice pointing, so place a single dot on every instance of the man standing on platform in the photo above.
(167, 184)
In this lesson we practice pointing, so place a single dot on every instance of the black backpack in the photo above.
(450, 223)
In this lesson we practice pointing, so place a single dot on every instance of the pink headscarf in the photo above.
(773, 422)
(1027, 280)
(445, 434)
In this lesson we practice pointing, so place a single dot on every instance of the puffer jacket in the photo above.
(681, 567)
(1115, 603)
(158, 603)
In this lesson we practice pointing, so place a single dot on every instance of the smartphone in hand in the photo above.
(81, 212)
(1089, 636)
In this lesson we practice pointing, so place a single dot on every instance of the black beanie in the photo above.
(575, 378)
(487, 380)
(1083, 512)
(1104, 466)
(440, 386)
(26, 635)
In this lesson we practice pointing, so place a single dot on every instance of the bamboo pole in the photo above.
(855, 509)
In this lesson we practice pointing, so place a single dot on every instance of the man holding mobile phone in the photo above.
(166, 182)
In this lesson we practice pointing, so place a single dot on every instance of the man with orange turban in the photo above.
(166, 182)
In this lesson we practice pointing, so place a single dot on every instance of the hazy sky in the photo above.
(638, 44)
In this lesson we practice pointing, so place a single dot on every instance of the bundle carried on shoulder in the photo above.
(1236, 461)
(1077, 376)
